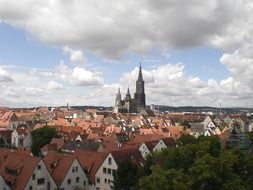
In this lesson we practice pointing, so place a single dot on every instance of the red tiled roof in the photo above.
(17, 160)
(58, 165)
(58, 141)
(90, 161)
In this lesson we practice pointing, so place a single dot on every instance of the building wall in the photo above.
(3, 185)
(28, 141)
(159, 146)
(75, 172)
(105, 173)
(41, 172)
(14, 138)
(144, 150)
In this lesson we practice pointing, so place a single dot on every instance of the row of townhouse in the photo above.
(90, 170)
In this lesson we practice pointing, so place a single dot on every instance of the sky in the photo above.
(193, 52)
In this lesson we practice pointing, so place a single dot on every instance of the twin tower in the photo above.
(132, 105)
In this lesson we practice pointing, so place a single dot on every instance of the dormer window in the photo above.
(11, 171)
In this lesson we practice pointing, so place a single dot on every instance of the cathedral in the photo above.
(128, 104)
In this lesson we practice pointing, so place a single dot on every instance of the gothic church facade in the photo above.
(132, 105)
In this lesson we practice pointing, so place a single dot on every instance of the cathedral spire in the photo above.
(140, 78)
(128, 91)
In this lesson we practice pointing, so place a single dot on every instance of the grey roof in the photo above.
(197, 128)
(71, 146)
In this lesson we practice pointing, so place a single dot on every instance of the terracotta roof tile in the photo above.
(19, 162)
(58, 165)
(90, 162)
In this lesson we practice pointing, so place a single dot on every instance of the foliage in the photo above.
(185, 124)
(200, 164)
(126, 177)
(41, 137)
(186, 139)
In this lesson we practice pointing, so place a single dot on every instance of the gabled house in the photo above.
(21, 137)
(9, 120)
(23, 171)
(90, 162)
(156, 146)
(104, 175)
(66, 171)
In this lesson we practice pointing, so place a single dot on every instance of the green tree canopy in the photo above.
(41, 137)
(126, 177)
(200, 164)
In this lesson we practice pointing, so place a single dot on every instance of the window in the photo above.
(41, 181)
(109, 181)
(105, 180)
(77, 179)
(76, 168)
(84, 183)
(33, 176)
(73, 170)
(30, 188)
(39, 167)
(98, 179)
(110, 161)
(69, 181)
(109, 171)
(48, 186)
(104, 170)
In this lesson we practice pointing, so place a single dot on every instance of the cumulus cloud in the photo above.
(78, 75)
(53, 85)
(170, 85)
(75, 56)
(5, 76)
(112, 28)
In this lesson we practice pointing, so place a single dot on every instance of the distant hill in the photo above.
(164, 108)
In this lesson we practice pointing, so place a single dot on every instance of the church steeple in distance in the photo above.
(118, 99)
(140, 78)
(139, 95)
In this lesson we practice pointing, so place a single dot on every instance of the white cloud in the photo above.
(5, 76)
(78, 75)
(52, 85)
(112, 28)
(75, 56)
(83, 77)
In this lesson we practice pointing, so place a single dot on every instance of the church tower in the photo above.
(118, 104)
(128, 101)
(139, 95)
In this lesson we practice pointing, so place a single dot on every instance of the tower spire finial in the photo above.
(140, 78)
(128, 91)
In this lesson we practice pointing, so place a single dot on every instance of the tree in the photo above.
(147, 165)
(41, 137)
(186, 139)
(185, 124)
(126, 177)
(200, 165)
